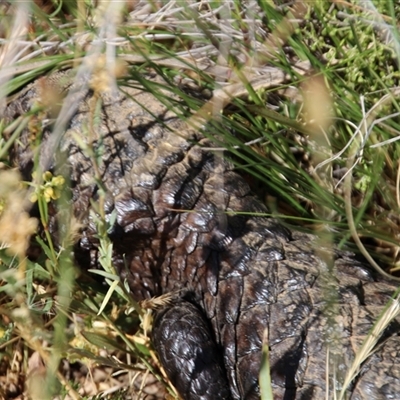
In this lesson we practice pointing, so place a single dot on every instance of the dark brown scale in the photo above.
(248, 277)
(196, 371)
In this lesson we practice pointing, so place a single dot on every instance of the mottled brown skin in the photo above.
(247, 276)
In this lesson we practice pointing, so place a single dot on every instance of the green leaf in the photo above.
(28, 283)
(45, 247)
(108, 295)
(102, 341)
(105, 274)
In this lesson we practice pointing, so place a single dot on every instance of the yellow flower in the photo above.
(48, 194)
(50, 189)
(47, 176)
(58, 181)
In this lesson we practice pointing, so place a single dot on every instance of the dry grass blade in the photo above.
(355, 150)
(391, 311)
(9, 52)
(265, 371)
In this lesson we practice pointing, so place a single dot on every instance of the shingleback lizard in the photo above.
(237, 279)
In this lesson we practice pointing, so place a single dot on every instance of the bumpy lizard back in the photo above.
(185, 226)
